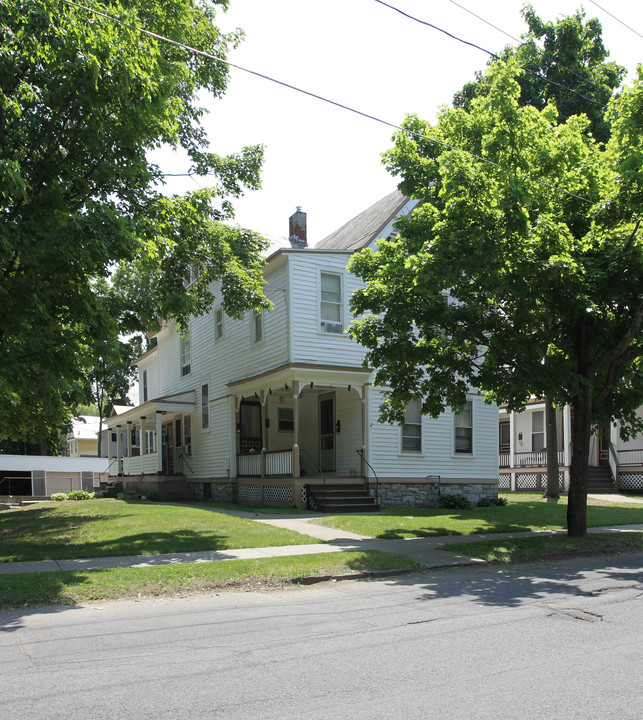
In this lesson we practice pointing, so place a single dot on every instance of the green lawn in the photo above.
(100, 528)
(72, 587)
(550, 546)
(524, 513)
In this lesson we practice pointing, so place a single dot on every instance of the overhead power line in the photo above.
(488, 52)
(544, 55)
(624, 24)
(203, 53)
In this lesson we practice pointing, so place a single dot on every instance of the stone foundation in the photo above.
(224, 492)
(404, 494)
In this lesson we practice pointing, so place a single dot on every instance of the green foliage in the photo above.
(82, 102)
(565, 64)
(518, 276)
(453, 501)
(491, 501)
(59, 497)
(80, 495)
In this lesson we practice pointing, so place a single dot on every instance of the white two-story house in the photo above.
(261, 410)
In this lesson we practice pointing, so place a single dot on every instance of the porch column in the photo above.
(262, 421)
(119, 450)
(512, 449)
(129, 438)
(363, 470)
(108, 440)
(295, 416)
(159, 442)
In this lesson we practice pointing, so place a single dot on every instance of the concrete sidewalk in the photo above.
(429, 552)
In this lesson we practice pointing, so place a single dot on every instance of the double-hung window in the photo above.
(464, 429)
(412, 428)
(205, 406)
(256, 327)
(144, 385)
(218, 323)
(330, 309)
(185, 354)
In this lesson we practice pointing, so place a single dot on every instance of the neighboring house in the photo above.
(43, 475)
(261, 409)
(615, 464)
(82, 439)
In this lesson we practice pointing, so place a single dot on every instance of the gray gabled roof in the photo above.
(359, 232)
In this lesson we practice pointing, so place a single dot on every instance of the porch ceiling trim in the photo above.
(327, 375)
(184, 402)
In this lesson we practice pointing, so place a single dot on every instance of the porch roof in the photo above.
(337, 376)
(184, 402)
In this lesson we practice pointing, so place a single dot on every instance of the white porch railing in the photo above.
(278, 462)
(249, 465)
(140, 464)
(531, 459)
(630, 457)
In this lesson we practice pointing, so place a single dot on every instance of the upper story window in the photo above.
(218, 323)
(185, 354)
(256, 327)
(144, 391)
(193, 275)
(464, 429)
(412, 428)
(330, 306)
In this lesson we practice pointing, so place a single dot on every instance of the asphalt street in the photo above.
(562, 640)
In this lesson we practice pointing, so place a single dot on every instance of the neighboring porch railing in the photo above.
(278, 462)
(630, 457)
(140, 465)
(531, 459)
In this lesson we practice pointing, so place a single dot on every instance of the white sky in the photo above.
(362, 54)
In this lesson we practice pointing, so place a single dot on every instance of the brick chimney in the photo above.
(297, 231)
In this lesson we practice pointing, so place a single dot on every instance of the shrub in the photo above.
(488, 502)
(80, 495)
(97, 494)
(59, 497)
(453, 501)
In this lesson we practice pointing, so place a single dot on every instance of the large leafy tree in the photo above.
(83, 99)
(520, 271)
(566, 64)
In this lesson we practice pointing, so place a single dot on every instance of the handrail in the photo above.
(319, 470)
(360, 452)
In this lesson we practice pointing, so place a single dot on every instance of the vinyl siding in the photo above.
(438, 456)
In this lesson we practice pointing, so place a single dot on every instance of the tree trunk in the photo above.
(581, 434)
(551, 438)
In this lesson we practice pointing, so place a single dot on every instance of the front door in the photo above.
(327, 433)
(250, 428)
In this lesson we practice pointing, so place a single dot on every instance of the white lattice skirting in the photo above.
(630, 481)
(258, 494)
(249, 492)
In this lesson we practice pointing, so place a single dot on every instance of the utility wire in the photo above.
(313, 95)
(617, 19)
(488, 52)
(524, 44)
